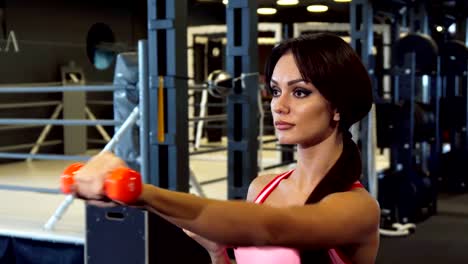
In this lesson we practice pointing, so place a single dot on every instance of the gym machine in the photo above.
(453, 117)
(405, 123)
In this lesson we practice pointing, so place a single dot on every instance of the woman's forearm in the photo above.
(177, 205)
(209, 218)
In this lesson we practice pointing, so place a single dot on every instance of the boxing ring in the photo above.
(23, 214)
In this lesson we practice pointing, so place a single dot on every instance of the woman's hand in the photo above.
(215, 250)
(89, 180)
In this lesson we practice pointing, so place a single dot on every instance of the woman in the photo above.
(316, 213)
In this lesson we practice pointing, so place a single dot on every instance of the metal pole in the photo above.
(204, 99)
(362, 40)
(99, 128)
(260, 131)
(45, 132)
(144, 120)
(195, 184)
(242, 104)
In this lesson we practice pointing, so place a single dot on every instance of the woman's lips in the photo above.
(281, 125)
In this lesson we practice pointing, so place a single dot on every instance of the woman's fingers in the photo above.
(89, 179)
(103, 203)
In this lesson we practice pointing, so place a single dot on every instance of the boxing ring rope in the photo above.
(69, 122)
(29, 189)
(8, 155)
(60, 89)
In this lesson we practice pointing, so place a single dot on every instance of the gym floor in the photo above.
(441, 238)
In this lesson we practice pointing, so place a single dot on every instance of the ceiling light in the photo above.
(317, 8)
(439, 28)
(266, 11)
(342, 1)
(287, 2)
(452, 29)
(225, 2)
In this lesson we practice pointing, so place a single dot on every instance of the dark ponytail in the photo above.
(339, 178)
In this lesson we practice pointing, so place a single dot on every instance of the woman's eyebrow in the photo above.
(295, 81)
(290, 82)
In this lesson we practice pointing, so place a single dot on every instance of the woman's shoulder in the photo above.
(357, 194)
(357, 200)
(257, 185)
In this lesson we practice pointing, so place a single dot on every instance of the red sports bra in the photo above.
(281, 255)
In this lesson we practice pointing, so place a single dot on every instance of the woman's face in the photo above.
(301, 114)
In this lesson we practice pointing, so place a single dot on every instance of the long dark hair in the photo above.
(334, 68)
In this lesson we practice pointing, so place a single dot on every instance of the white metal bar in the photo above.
(45, 131)
(99, 128)
(203, 101)
(195, 184)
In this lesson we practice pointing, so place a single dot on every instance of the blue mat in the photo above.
(25, 251)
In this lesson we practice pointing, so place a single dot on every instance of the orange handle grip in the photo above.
(123, 184)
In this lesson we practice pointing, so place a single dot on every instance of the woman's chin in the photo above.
(285, 141)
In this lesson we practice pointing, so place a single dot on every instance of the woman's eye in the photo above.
(275, 92)
(301, 93)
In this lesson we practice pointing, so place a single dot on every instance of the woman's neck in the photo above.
(313, 162)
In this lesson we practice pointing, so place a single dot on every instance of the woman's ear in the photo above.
(336, 116)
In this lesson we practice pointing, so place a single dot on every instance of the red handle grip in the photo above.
(123, 184)
(67, 178)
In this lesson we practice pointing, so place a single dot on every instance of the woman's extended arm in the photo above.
(341, 218)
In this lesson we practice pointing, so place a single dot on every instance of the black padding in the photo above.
(424, 120)
(27, 251)
(454, 56)
(406, 194)
(423, 46)
(453, 112)
(387, 123)
(452, 174)
(393, 123)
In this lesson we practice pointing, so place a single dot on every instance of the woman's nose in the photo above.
(279, 105)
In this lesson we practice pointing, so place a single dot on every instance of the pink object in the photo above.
(280, 255)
